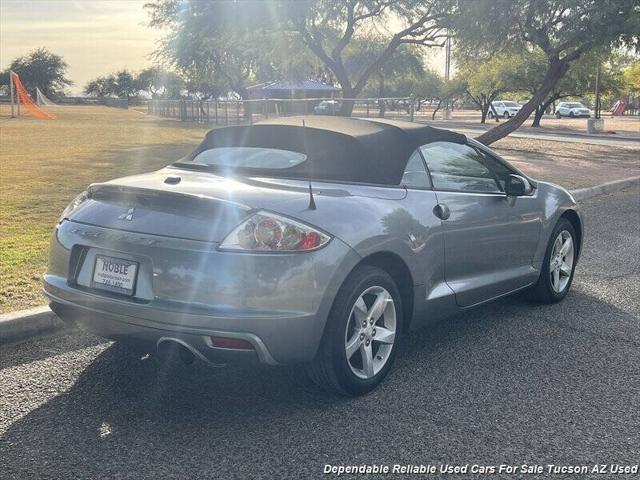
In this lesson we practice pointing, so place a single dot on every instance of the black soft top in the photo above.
(337, 148)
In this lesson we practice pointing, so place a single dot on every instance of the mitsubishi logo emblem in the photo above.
(127, 216)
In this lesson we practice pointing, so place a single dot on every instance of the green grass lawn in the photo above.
(44, 164)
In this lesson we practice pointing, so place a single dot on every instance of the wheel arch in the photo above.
(399, 271)
(573, 217)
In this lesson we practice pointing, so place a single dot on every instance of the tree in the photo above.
(158, 81)
(42, 69)
(327, 28)
(123, 84)
(405, 62)
(98, 87)
(483, 81)
(579, 81)
(564, 30)
(225, 46)
(150, 80)
(632, 77)
(232, 37)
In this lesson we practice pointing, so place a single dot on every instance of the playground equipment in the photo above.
(42, 99)
(618, 108)
(19, 96)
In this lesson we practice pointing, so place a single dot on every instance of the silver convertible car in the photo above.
(318, 241)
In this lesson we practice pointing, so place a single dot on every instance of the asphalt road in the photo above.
(511, 382)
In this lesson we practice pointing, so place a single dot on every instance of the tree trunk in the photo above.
(381, 103)
(433, 115)
(484, 110)
(557, 68)
(348, 104)
(536, 119)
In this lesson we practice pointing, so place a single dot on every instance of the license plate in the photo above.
(114, 274)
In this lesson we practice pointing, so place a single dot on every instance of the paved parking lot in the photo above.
(511, 382)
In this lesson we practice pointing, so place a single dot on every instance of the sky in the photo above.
(95, 37)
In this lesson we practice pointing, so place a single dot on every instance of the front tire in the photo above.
(558, 115)
(559, 264)
(506, 115)
(362, 334)
(572, 115)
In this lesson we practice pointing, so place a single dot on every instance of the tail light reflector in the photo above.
(231, 343)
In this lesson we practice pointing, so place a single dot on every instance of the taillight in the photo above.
(75, 203)
(268, 232)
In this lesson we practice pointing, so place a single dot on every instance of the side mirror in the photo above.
(517, 186)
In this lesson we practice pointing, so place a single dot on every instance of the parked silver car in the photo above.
(315, 240)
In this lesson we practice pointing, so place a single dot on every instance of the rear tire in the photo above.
(557, 271)
(357, 349)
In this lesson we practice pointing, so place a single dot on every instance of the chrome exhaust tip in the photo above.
(171, 347)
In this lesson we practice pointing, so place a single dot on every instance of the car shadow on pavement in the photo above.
(511, 379)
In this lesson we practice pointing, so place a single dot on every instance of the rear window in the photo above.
(249, 157)
(575, 105)
(511, 104)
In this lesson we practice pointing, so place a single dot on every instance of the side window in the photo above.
(458, 168)
(415, 174)
(500, 171)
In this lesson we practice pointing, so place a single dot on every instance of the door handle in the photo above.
(441, 211)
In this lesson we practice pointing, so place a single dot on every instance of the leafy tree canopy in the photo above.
(563, 30)
(234, 37)
(632, 77)
(42, 69)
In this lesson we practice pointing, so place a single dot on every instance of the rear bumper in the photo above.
(189, 291)
(150, 335)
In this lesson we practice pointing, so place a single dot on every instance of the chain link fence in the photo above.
(234, 112)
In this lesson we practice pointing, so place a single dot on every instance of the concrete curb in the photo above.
(584, 193)
(23, 325)
(19, 326)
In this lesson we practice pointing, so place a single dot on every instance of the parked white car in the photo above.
(572, 109)
(505, 108)
(327, 107)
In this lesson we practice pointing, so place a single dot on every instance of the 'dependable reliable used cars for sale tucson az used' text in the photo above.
(320, 241)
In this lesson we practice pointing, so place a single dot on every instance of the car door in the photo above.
(422, 233)
(489, 238)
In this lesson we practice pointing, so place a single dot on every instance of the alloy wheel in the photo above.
(370, 333)
(561, 262)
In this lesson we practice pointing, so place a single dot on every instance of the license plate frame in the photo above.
(115, 282)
